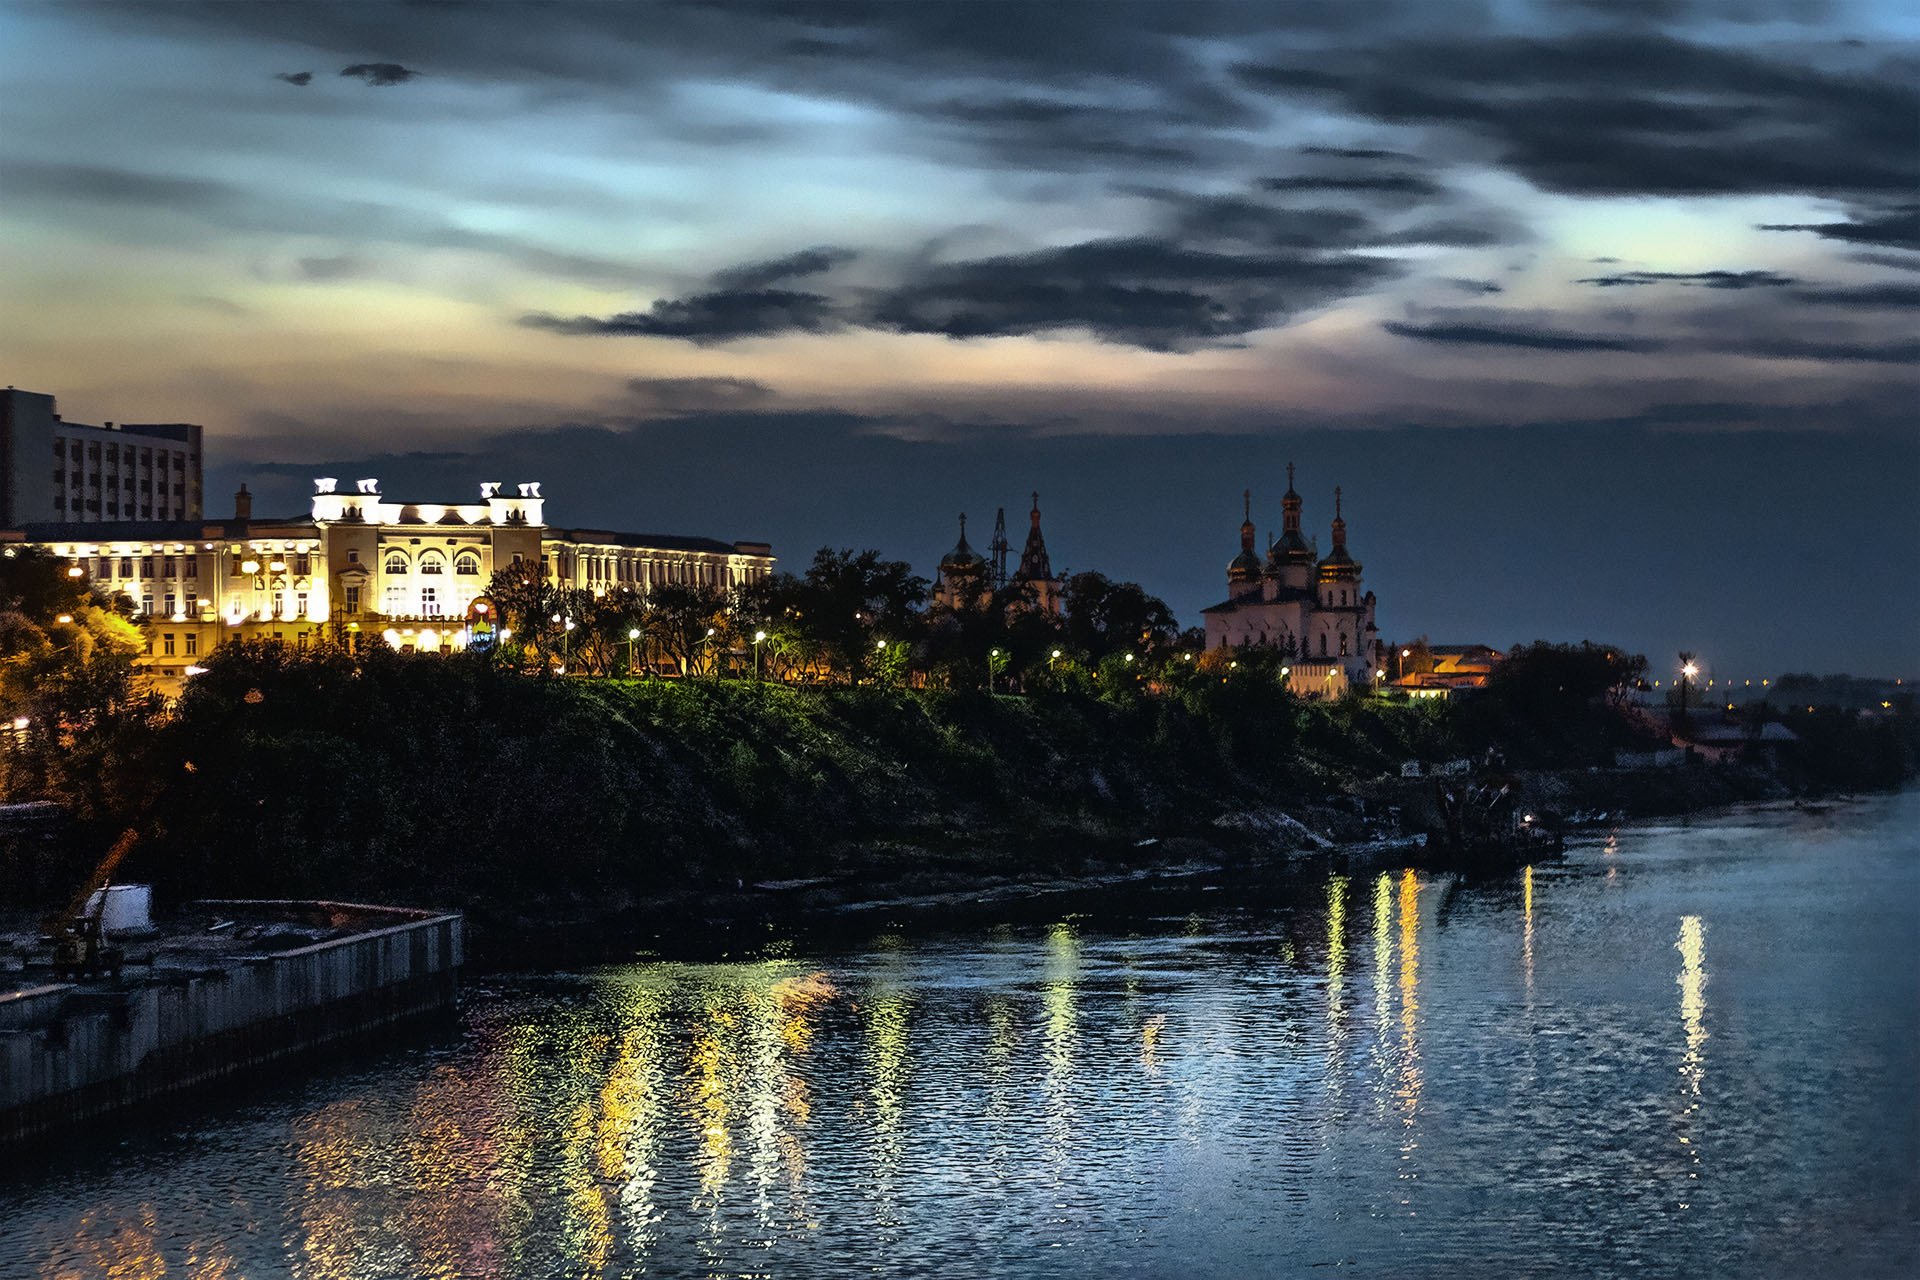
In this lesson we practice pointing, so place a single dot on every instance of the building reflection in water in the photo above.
(1693, 1021)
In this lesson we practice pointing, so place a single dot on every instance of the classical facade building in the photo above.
(55, 471)
(968, 580)
(1310, 607)
(360, 565)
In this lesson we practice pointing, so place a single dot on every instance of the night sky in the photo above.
(1602, 314)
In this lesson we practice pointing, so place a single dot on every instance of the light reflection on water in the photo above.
(1363, 1079)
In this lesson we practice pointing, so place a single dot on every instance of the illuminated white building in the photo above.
(360, 565)
(1311, 608)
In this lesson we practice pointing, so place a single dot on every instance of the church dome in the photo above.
(963, 558)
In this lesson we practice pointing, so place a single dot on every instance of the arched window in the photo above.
(432, 562)
(1323, 644)
(467, 562)
(396, 562)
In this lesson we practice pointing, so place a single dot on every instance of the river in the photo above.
(1686, 1049)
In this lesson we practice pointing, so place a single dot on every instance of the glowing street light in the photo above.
(76, 572)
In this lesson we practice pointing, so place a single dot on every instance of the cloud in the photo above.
(1866, 295)
(1629, 113)
(720, 316)
(1897, 228)
(1788, 348)
(300, 78)
(380, 74)
(793, 266)
(1522, 337)
(1357, 153)
(1145, 291)
(1699, 279)
(108, 184)
(700, 395)
(1397, 184)
(322, 270)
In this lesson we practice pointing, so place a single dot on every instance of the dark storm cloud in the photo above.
(1148, 292)
(1523, 337)
(1872, 296)
(1394, 184)
(1635, 113)
(699, 395)
(721, 316)
(380, 74)
(793, 266)
(300, 78)
(1894, 228)
(1142, 292)
(1790, 348)
(1697, 279)
(1358, 153)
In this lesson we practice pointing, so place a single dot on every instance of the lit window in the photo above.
(396, 562)
(466, 563)
(429, 602)
(431, 562)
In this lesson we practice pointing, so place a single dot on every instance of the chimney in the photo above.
(243, 504)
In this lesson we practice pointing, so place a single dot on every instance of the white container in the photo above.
(123, 908)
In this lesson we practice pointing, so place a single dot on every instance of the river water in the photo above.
(1686, 1049)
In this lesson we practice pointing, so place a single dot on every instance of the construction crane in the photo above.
(80, 945)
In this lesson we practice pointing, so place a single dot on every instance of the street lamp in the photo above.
(758, 638)
(1688, 670)
(993, 656)
(633, 634)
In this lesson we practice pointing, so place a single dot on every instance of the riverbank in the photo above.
(562, 814)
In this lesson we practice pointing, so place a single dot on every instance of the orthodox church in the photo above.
(1310, 607)
(967, 580)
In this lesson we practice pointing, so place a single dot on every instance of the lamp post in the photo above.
(758, 637)
(993, 656)
(633, 634)
(1688, 670)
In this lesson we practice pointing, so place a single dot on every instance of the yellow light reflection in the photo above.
(632, 1106)
(1336, 983)
(1526, 930)
(1060, 1000)
(1408, 1092)
(887, 1008)
(1693, 1020)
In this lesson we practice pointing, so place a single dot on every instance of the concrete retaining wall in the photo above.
(71, 1052)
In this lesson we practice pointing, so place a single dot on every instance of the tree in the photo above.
(1105, 618)
(685, 620)
(848, 602)
(67, 693)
